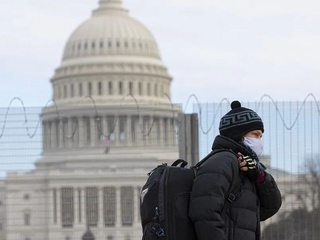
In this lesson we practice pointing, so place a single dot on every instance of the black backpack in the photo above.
(164, 201)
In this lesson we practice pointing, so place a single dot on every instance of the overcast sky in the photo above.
(212, 48)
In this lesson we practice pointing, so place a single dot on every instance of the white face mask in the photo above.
(255, 144)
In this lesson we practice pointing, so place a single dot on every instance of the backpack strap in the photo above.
(234, 189)
(204, 159)
(235, 185)
(213, 152)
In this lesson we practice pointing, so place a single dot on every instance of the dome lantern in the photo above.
(109, 6)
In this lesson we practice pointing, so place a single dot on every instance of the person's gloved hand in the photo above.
(249, 166)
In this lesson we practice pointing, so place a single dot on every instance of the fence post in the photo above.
(189, 138)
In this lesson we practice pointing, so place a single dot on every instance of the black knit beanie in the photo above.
(239, 121)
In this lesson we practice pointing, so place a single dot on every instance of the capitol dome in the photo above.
(109, 56)
(111, 31)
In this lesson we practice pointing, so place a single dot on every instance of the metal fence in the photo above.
(291, 153)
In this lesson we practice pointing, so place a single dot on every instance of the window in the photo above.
(165, 130)
(110, 88)
(110, 126)
(92, 205)
(73, 47)
(140, 88)
(99, 88)
(68, 238)
(72, 90)
(138, 200)
(89, 89)
(87, 131)
(133, 129)
(93, 45)
(130, 88)
(158, 132)
(59, 92)
(26, 196)
(101, 44)
(122, 128)
(110, 237)
(148, 89)
(80, 89)
(80, 204)
(127, 206)
(65, 91)
(156, 89)
(67, 207)
(54, 205)
(120, 88)
(57, 131)
(75, 132)
(64, 132)
(27, 219)
(109, 206)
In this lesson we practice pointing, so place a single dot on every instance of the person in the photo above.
(236, 162)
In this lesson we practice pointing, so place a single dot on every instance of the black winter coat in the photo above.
(214, 217)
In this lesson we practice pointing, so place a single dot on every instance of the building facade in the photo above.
(110, 122)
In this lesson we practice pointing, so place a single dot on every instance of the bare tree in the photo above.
(311, 179)
(304, 222)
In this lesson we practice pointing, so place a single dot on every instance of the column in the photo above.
(98, 130)
(118, 207)
(170, 132)
(157, 131)
(61, 136)
(105, 126)
(93, 131)
(144, 131)
(44, 135)
(149, 129)
(75, 206)
(136, 205)
(81, 132)
(83, 207)
(75, 127)
(48, 133)
(128, 131)
(167, 132)
(162, 134)
(53, 135)
(174, 132)
(105, 138)
(100, 212)
(58, 206)
(116, 131)
(137, 131)
(70, 136)
(50, 204)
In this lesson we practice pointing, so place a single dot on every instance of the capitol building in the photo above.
(110, 122)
